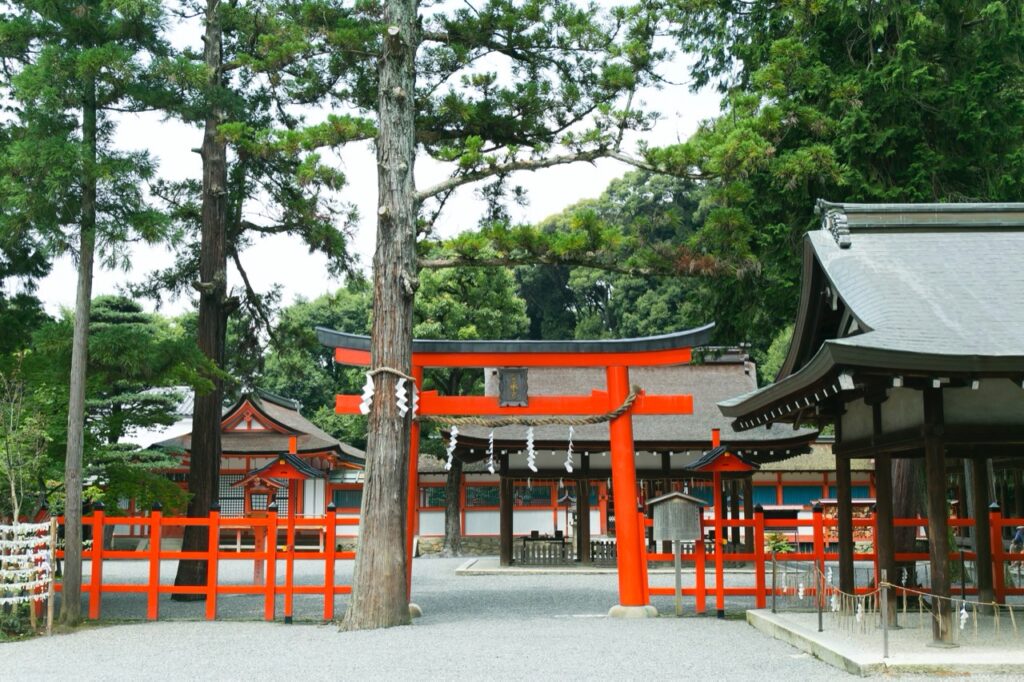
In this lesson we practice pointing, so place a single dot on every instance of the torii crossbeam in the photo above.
(615, 356)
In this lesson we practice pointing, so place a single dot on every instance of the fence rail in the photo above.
(265, 556)
(821, 530)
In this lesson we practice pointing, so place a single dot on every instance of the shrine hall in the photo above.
(909, 339)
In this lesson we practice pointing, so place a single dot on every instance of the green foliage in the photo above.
(770, 362)
(896, 101)
(137, 360)
(59, 58)
(23, 441)
(777, 542)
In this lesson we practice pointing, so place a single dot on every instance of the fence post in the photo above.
(330, 549)
(818, 529)
(700, 575)
(270, 593)
(212, 560)
(153, 591)
(819, 599)
(645, 582)
(96, 577)
(289, 563)
(759, 567)
(885, 613)
(774, 580)
(998, 554)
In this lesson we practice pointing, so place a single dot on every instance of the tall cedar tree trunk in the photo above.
(907, 503)
(379, 595)
(453, 510)
(204, 465)
(71, 602)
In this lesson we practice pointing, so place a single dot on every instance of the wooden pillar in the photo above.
(885, 545)
(884, 541)
(505, 502)
(583, 511)
(748, 512)
(938, 540)
(845, 524)
(982, 530)
(734, 510)
(629, 548)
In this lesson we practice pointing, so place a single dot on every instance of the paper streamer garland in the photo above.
(364, 405)
(415, 400)
(452, 441)
(531, 455)
(568, 453)
(490, 452)
(401, 397)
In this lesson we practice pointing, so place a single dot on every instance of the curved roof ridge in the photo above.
(698, 336)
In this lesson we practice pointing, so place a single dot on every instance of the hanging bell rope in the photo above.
(536, 421)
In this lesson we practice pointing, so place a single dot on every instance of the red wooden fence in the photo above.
(265, 552)
(819, 555)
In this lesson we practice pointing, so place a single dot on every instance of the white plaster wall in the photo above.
(524, 521)
(431, 523)
(903, 410)
(995, 402)
(313, 503)
(857, 420)
(482, 523)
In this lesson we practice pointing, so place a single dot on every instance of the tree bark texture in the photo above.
(204, 464)
(453, 511)
(71, 602)
(379, 594)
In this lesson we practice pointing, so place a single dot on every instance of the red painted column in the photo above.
(632, 574)
(719, 546)
(412, 516)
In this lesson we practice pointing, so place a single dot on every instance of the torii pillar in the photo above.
(629, 540)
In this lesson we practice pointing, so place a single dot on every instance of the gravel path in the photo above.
(474, 627)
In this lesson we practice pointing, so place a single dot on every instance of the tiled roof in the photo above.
(932, 288)
(708, 382)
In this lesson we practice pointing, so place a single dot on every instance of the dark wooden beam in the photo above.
(982, 530)
(845, 524)
(885, 541)
(505, 503)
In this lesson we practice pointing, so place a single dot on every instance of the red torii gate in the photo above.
(616, 356)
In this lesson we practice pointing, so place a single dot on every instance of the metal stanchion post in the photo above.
(773, 580)
(885, 614)
(820, 598)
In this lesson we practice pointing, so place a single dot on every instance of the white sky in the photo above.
(286, 260)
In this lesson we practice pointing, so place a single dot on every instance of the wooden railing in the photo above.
(266, 554)
(820, 553)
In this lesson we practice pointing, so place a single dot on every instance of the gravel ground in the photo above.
(474, 627)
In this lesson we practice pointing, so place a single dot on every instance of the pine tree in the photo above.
(68, 66)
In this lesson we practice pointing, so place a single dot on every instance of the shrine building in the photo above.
(909, 339)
